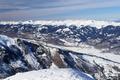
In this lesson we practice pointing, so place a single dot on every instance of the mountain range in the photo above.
(88, 46)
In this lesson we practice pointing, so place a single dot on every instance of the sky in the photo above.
(59, 9)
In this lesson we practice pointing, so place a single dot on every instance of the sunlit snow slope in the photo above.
(51, 74)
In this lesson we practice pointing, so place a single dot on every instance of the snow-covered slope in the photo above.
(23, 55)
(98, 24)
(51, 74)
(89, 50)
(95, 56)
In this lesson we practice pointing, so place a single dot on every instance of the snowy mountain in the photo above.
(22, 55)
(87, 46)
(94, 23)
(52, 74)
(25, 55)
(100, 34)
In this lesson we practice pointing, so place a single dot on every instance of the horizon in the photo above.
(22, 10)
(115, 20)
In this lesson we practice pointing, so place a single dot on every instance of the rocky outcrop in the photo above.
(22, 56)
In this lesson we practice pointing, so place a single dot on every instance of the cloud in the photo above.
(46, 8)
(47, 4)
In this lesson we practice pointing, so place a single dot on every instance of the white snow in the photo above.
(118, 38)
(4, 40)
(108, 70)
(96, 56)
(94, 23)
(59, 30)
(66, 29)
(53, 66)
(83, 48)
(32, 60)
(16, 64)
(51, 74)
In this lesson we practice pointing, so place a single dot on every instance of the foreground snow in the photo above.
(52, 74)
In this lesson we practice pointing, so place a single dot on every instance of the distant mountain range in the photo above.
(93, 23)
(90, 46)
(100, 34)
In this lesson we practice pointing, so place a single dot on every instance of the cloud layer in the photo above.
(57, 9)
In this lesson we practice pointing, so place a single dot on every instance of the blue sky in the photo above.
(59, 9)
